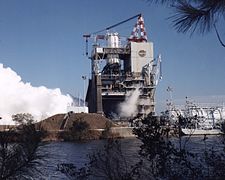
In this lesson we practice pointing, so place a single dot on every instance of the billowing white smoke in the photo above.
(129, 107)
(19, 97)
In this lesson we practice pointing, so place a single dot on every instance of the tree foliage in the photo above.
(196, 15)
(80, 130)
(201, 15)
(19, 152)
(72, 172)
(106, 163)
(23, 119)
(166, 157)
(110, 163)
(162, 158)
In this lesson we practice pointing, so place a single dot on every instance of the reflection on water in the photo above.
(77, 152)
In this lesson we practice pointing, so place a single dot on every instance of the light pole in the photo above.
(170, 90)
(84, 78)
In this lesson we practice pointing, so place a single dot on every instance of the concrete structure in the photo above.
(128, 66)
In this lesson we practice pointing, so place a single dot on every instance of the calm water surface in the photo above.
(77, 152)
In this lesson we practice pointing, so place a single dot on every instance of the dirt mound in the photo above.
(59, 122)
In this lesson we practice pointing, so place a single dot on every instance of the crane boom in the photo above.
(117, 24)
(87, 36)
(110, 27)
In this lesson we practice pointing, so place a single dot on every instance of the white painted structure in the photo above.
(141, 55)
(112, 42)
(77, 109)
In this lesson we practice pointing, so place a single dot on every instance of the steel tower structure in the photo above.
(128, 66)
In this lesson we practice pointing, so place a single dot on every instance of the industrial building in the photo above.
(128, 66)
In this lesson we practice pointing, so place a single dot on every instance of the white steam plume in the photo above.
(129, 107)
(19, 97)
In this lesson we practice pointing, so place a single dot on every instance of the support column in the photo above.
(99, 108)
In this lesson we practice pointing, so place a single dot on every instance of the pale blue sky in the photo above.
(42, 41)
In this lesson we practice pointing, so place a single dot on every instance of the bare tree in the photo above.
(19, 152)
(160, 157)
(106, 163)
(110, 162)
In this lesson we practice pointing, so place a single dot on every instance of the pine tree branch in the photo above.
(189, 17)
(218, 35)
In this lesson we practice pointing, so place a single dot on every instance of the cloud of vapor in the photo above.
(19, 97)
(129, 107)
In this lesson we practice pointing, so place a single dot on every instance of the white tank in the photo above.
(112, 42)
(218, 114)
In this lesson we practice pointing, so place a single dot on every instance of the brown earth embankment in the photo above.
(60, 125)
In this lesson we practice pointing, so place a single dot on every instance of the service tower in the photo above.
(127, 66)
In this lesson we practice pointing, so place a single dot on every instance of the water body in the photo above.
(77, 152)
